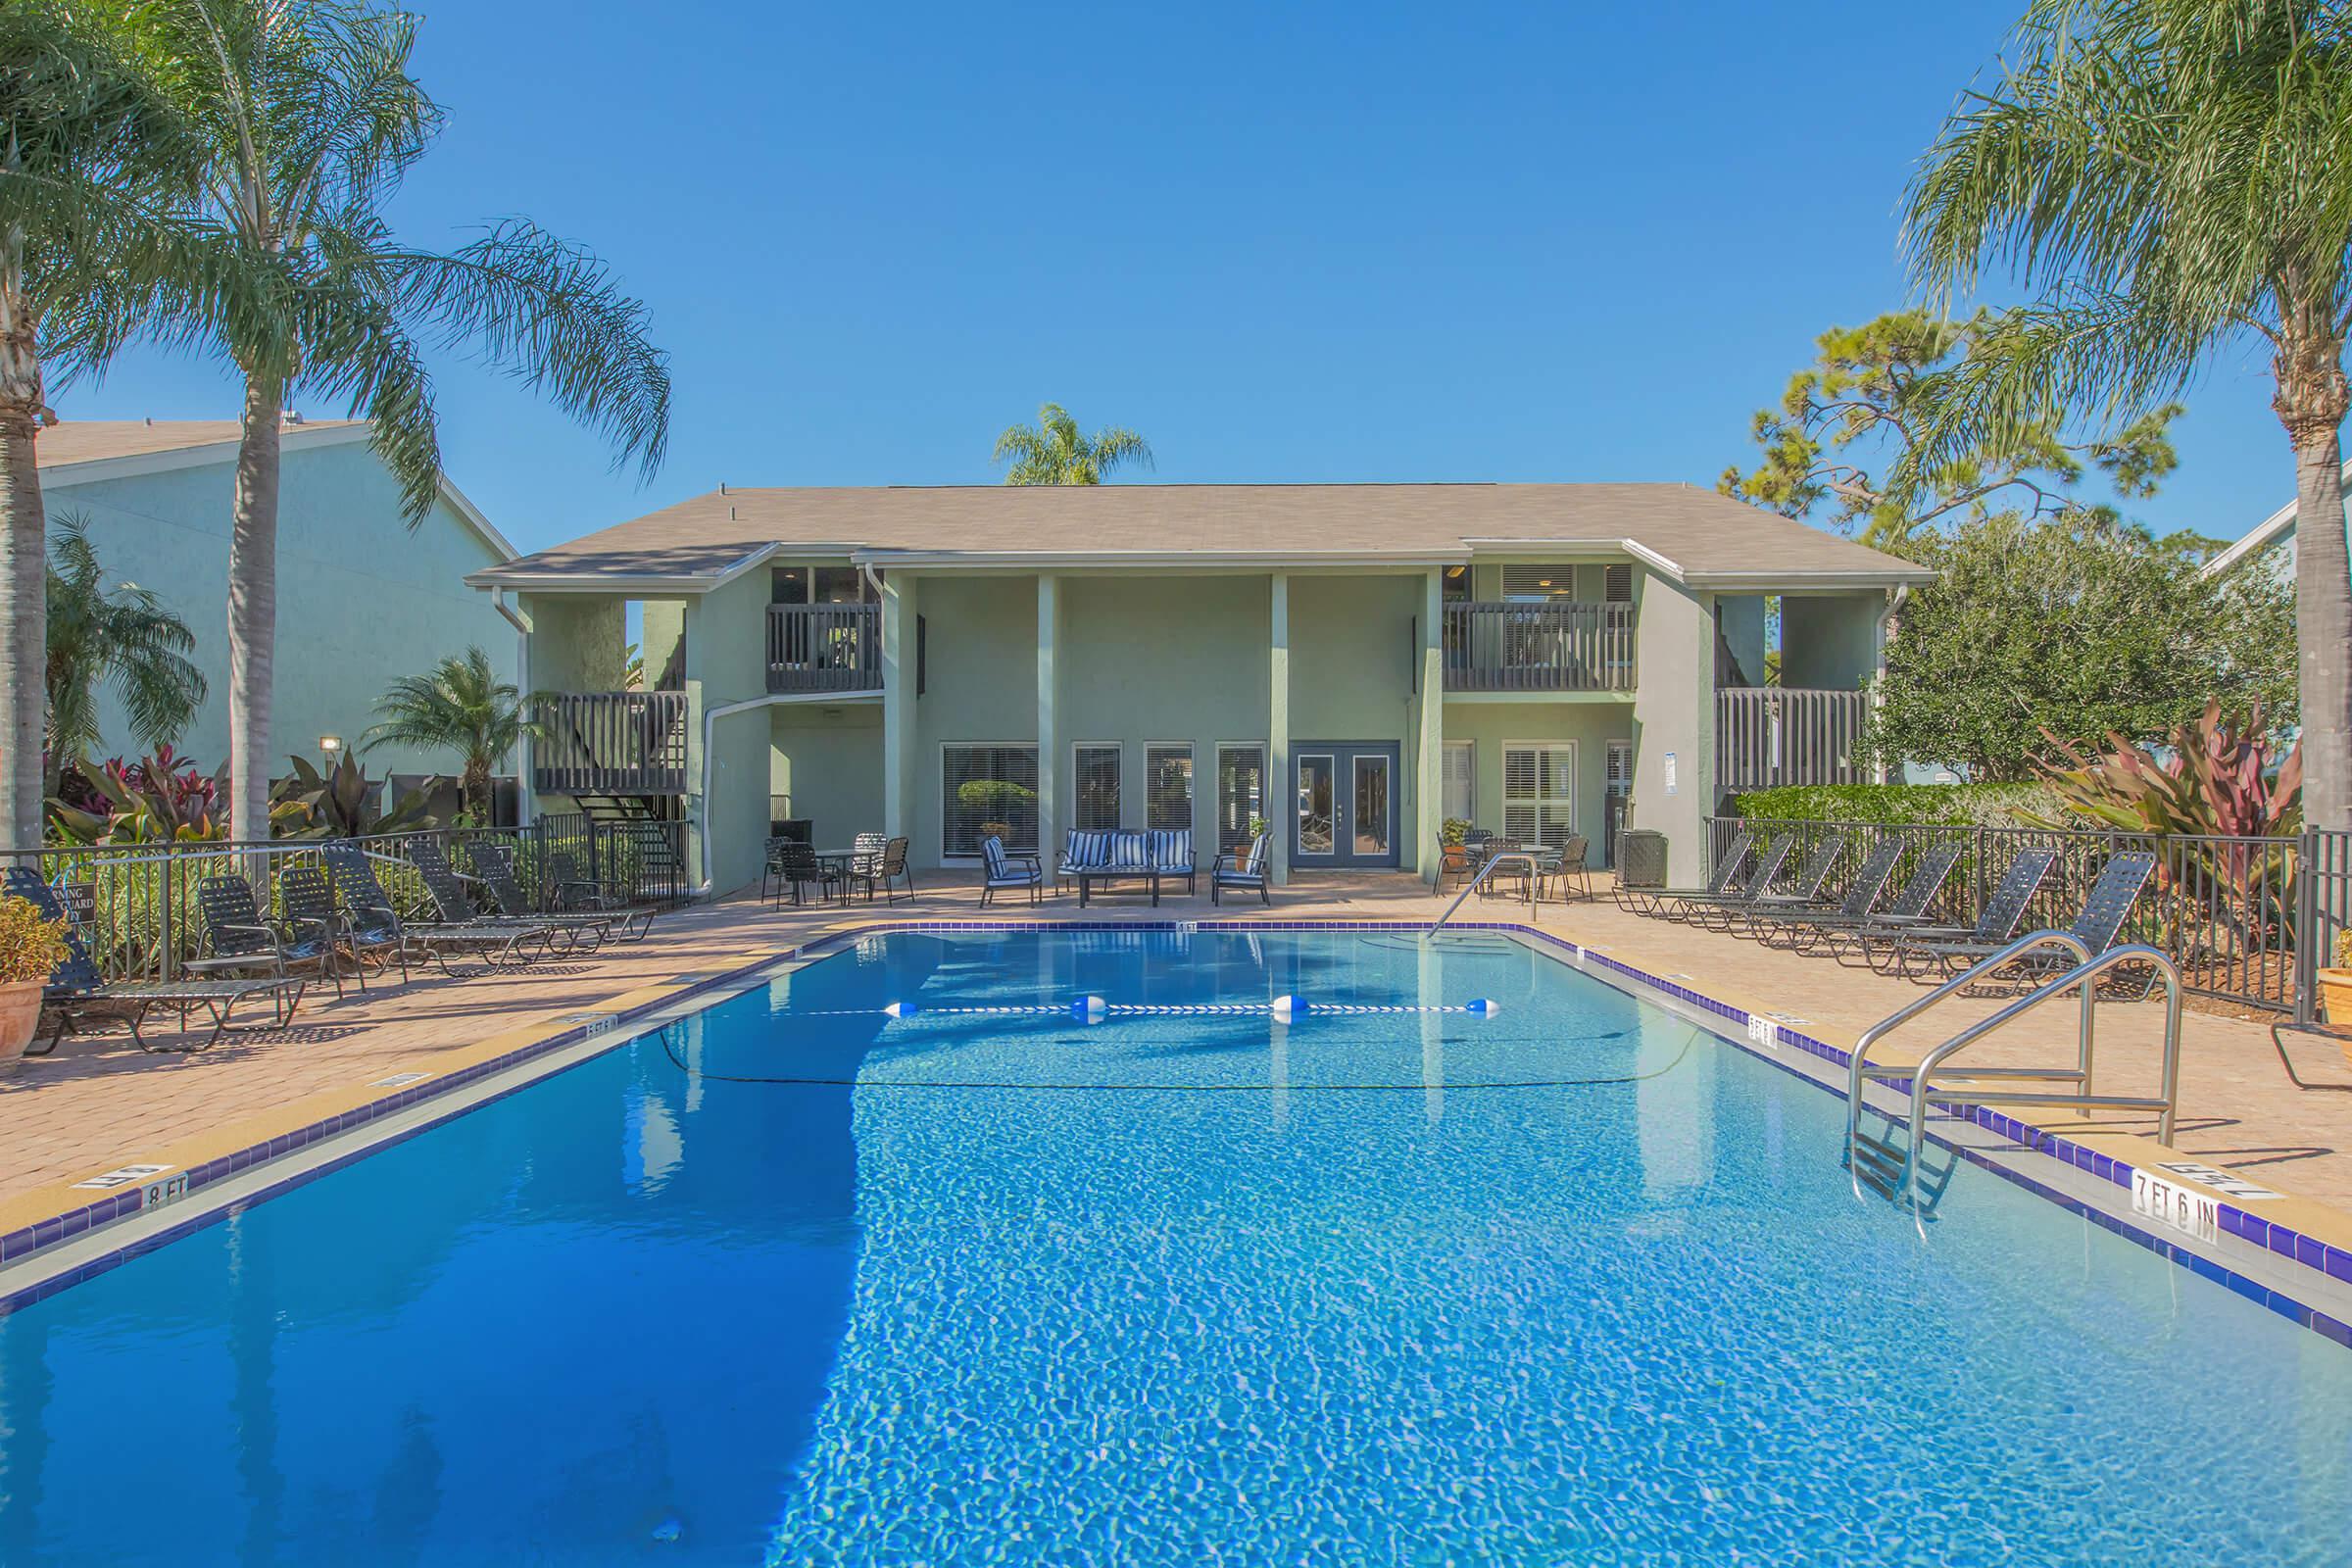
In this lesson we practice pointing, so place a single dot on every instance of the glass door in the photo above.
(1371, 812)
(1346, 813)
(1317, 835)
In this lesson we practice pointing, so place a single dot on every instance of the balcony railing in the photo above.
(825, 647)
(1768, 735)
(1558, 647)
(610, 743)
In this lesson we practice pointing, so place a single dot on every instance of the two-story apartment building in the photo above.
(1354, 664)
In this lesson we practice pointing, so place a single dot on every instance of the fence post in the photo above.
(168, 922)
(2309, 938)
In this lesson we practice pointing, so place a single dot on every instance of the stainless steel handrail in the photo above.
(1534, 870)
(2085, 977)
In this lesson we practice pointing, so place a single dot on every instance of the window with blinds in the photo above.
(1617, 584)
(1539, 793)
(987, 784)
(1168, 787)
(1240, 793)
(1538, 584)
(1096, 808)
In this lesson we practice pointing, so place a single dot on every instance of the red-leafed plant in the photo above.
(159, 798)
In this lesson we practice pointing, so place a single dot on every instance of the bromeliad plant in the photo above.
(164, 799)
(339, 803)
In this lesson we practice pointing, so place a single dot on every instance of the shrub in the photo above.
(31, 948)
(163, 797)
(1894, 805)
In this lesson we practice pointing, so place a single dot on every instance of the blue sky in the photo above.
(1285, 243)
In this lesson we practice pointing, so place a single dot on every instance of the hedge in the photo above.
(1890, 805)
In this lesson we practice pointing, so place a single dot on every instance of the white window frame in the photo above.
(1470, 810)
(1266, 765)
(1117, 746)
(1538, 803)
(1191, 781)
(946, 746)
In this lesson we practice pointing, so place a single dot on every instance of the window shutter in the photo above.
(1097, 780)
(1617, 584)
(1539, 582)
(987, 784)
(1538, 794)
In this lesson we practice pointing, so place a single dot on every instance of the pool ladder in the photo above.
(1895, 1162)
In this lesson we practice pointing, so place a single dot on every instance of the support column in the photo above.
(898, 705)
(1049, 747)
(1431, 788)
(1282, 799)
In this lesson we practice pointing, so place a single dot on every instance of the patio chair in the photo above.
(1996, 923)
(493, 868)
(1659, 900)
(571, 893)
(1249, 870)
(1707, 909)
(75, 996)
(1848, 940)
(1575, 851)
(792, 864)
(1007, 870)
(1171, 851)
(2100, 921)
(1494, 849)
(1772, 923)
(239, 941)
(887, 871)
(1456, 865)
(1803, 891)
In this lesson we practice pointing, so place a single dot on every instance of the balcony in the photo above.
(1768, 736)
(1560, 646)
(825, 647)
(610, 743)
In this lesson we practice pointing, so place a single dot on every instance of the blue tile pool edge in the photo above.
(2297, 1250)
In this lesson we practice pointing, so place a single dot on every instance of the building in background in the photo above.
(361, 596)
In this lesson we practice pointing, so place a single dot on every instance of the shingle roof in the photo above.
(71, 441)
(1692, 533)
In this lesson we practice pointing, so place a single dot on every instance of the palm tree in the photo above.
(309, 121)
(2176, 178)
(460, 706)
(1053, 451)
(90, 252)
(124, 636)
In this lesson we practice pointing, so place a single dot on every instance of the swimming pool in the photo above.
(1573, 1282)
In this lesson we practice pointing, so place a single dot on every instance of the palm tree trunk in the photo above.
(477, 789)
(253, 609)
(2324, 627)
(23, 560)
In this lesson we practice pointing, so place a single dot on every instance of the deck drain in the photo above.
(400, 1080)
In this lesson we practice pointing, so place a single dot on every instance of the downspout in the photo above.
(710, 719)
(524, 801)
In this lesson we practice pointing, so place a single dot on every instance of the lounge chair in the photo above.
(1706, 908)
(239, 941)
(499, 941)
(571, 893)
(1171, 851)
(495, 871)
(1802, 893)
(1772, 922)
(1848, 940)
(1248, 871)
(305, 901)
(1007, 870)
(1897, 952)
(2105, 908)
(75, 996)
(372, 923)
(1658, 901)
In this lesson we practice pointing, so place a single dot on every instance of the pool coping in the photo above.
(528, 1053)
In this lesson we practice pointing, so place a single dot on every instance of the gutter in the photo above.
(514, 618)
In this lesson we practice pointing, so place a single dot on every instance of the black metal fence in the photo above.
(2250, 919)
(135, 904)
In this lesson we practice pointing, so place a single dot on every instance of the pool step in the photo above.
(1876, 1163)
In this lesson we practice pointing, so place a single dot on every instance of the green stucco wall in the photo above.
(664, 627)
(827, 762)
(726, 662)
(576, 641)
(1490, 726)
(360, 596)
(979, 682)
(1674, 715)
(1831, 643)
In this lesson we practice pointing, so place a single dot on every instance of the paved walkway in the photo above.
(99, 1103)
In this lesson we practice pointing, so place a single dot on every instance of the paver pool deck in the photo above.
(99, 1103)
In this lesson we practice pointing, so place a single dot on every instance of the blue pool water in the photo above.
(1263, 1294)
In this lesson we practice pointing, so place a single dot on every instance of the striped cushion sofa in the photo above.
(1091, 857)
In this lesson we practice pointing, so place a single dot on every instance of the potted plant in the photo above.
(2336, 984)
(30, 949)
(1453, 831)
(1000, 831)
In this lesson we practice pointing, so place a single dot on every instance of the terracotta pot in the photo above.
(2336, 998)
(20, 1016)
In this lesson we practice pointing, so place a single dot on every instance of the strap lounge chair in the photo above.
(1772, 923)
(306, 901)
(495, 870)
(1847, 941)
(1661, 901)
(2105, 908)
(1008, 870)
(1898, 952)
(372, 923)
(1803, 892)
(239, 941)
(499, 941)
(1706, 908)
(75, 996)
(571, 893)
(1244, 871)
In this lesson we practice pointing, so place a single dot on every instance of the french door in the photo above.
(1343, 805)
